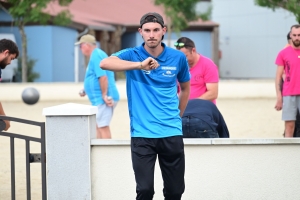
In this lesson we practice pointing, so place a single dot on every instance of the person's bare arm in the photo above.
(184, 96)
(211, 93)
(103, 81)
(114, 63)
(278, 86)
(6, 121)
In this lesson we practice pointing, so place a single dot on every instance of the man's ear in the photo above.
(140, 30)
(165, 29)
(194, 50)
(6, 51)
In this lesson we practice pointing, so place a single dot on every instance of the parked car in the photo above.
(9, 73)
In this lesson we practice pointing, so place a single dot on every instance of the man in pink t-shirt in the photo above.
(288, 94)
(204, 73)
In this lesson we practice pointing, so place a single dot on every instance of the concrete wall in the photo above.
(250, 37)
(82, 167)
(216, 169)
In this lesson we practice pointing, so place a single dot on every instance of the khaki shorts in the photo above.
(291, 105)
(104, 114)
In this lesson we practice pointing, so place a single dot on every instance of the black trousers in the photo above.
(170, 153)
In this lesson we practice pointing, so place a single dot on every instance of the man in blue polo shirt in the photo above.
(155, 110)
(99, 85)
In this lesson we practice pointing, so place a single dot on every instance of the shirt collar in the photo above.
(161, 57)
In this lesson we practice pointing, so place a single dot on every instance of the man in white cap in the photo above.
(99, 85)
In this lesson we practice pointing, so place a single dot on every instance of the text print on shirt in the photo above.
(168, 71)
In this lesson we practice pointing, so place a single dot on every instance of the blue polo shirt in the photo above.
(152, 95)
(91, 80)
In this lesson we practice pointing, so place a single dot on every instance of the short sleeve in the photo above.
(279, 60)
(211, 73)
(95, 60)
(183, 74)
(125, 54)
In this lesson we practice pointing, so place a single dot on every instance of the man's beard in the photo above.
(296, 43)
(3, 63)
(153, 45)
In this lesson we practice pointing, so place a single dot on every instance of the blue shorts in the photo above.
(104, 114)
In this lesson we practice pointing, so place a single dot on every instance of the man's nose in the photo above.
(151, 33)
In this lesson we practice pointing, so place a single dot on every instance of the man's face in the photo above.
(189, 55)
(7, 59)
(152, 34)
(85, 49)
(295, 36)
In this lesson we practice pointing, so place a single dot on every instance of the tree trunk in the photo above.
(24, 53)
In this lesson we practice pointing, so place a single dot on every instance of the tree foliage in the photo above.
(180, 12)
(291, 5)
(32, 11)
(25, 11)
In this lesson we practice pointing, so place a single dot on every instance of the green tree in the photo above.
(291, 5)
(179, 13)
(31, 11)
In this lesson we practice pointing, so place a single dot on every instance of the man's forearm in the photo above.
(1, 110)
(183, 100)
(209, 95)
(115, 64)
(278, 86)
(7, 123)
(103, 85)
(184, 96)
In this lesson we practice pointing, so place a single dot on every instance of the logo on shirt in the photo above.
(169, 71)
(197, 77)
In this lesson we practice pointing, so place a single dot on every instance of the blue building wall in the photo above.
(63, 53)
(202, 40)
(129, 39)
(4, 16)
(53, 48)
(39, 48)
(14, 30)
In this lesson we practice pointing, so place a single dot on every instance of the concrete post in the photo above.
(69, 130)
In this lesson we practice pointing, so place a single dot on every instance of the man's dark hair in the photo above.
(152, 17)
(295, 26)
(288, 36)
(188, 43)
(9, 45)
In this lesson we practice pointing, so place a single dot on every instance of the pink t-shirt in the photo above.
(289, 58)
(205, 71)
